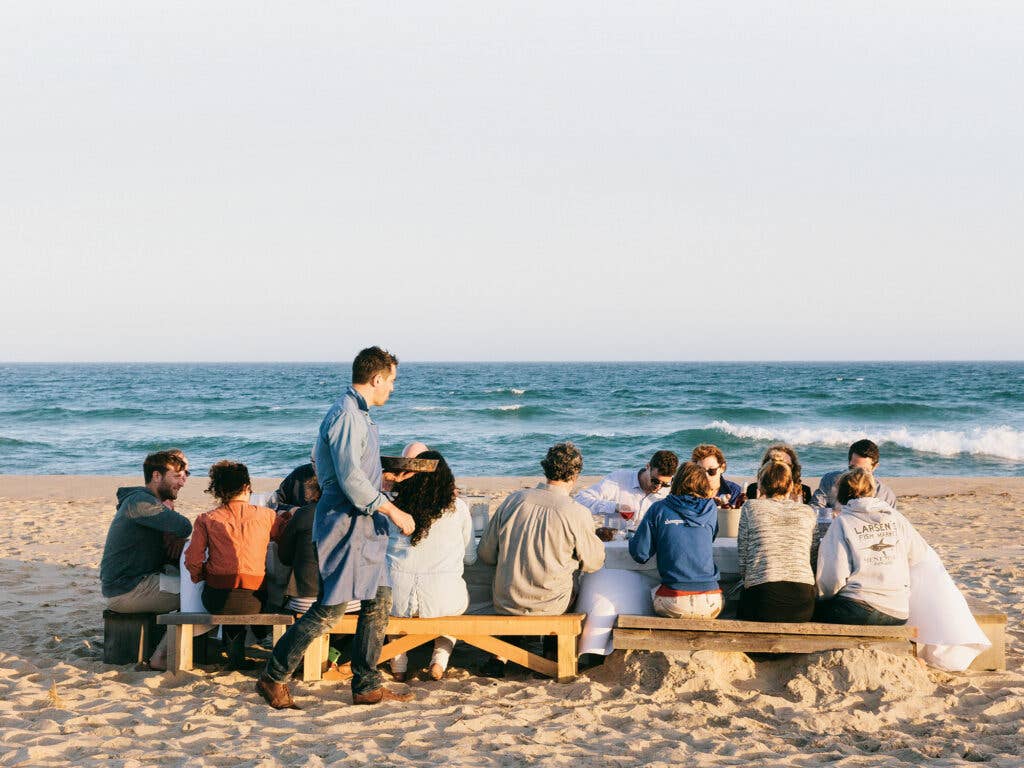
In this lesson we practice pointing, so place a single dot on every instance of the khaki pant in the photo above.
(703, 606)
(145, 598)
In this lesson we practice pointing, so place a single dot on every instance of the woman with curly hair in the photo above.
(229, 551)
(425, 569)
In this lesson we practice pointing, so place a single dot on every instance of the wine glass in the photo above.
(626, 512)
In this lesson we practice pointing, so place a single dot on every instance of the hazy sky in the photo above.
(513, 181)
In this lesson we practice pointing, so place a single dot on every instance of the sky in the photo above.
(511, 181)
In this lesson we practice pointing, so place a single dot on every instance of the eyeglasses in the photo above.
(712, 471)
(186, 473)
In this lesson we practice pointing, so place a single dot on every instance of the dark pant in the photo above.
(785, 601)
(843, 610)
(233, 602)
(366, 645)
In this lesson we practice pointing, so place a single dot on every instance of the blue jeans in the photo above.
(366, 645)
(843, 610)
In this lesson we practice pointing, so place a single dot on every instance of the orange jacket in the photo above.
(237, 535)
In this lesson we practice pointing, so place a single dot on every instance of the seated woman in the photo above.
(865, 558)
(786, 455)
(774, 550)
(229, 551)
(679, 529)
(725, 492)
(425, 569)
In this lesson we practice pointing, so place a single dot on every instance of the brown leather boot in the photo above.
(378, 695)
(277, 694)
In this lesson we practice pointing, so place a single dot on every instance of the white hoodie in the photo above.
(866, 555)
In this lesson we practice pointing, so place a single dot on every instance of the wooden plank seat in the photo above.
(656, 633)
(993, 624)
(477, 630)
(179, 645)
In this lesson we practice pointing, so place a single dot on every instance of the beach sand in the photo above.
(60, 705)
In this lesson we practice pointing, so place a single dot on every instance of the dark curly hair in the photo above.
(563, 462)
(426, 495)
(228, 479)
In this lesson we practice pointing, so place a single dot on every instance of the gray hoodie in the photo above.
(866, 555)
(135, 541)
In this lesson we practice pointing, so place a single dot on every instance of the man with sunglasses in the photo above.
(630, 490)
(135, 553)
(711, 459)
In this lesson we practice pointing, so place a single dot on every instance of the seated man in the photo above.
(134, 555)
(537, 540)
(631, 491)
(711, 459)
(863, 454)
(293, 489)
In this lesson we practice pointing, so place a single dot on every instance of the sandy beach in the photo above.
(61, 705)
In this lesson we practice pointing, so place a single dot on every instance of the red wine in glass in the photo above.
(627, 514)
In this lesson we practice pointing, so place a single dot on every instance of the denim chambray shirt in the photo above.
(351, 536)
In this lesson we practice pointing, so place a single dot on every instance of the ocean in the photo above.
(946, 419)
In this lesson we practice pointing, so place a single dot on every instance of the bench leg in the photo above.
(314, 658)
(403, 644)
(179, 648)
(513, 653)
(567, 658)
(277, 632)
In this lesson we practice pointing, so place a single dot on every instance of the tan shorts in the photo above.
(704, 606)
(145, 598)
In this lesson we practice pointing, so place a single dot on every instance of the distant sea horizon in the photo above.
(930, 418)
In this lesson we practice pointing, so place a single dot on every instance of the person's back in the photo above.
(537, 539)
(776, 541)
(680, 531)
(773, 550)
(865, 557)
(297, 551)
(236, 535)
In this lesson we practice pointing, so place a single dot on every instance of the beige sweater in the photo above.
(537, 539)
(774, 542)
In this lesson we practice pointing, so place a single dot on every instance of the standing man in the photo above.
(135, 554)
(351, 537)
(631, 489)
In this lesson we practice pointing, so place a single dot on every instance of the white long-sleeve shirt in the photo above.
(620, 487)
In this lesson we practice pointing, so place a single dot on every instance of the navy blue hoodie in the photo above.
(679, 530)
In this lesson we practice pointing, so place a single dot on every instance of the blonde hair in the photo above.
(774, 479)
(691, 480)
(855, 484)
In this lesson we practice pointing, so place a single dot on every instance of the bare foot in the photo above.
(436, 671)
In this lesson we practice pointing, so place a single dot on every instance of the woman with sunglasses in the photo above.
(725, 492)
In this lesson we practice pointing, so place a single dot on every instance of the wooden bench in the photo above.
(656, 633)
(993, 624)
(480, 631)
(179, 645)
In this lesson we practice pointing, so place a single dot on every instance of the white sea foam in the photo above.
(509, 407)
(515, 391)
(1002, 442)
(430, 408)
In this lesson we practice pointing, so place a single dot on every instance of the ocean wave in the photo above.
(518, 410)
(431, 408)
(56, 412)
(1001, 442)
(892, 411)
